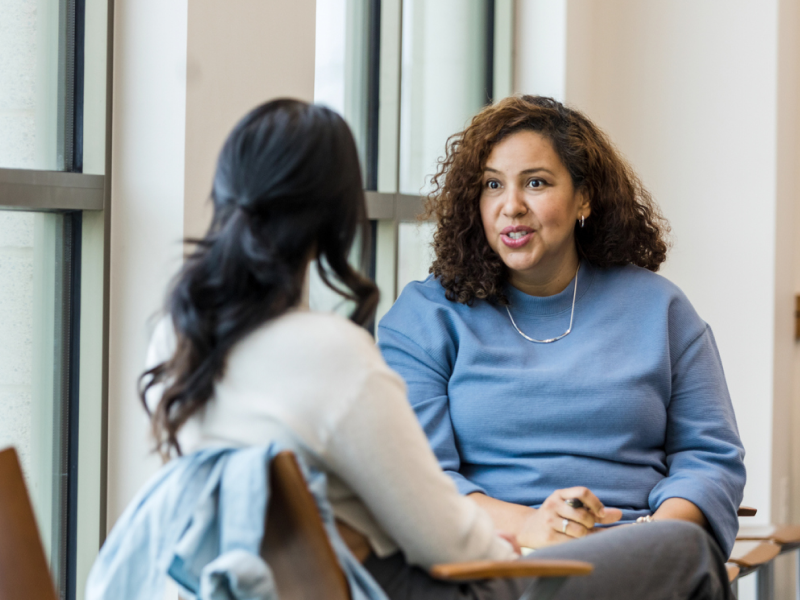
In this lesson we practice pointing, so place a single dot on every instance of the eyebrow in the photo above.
(525, 171)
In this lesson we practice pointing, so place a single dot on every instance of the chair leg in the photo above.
(797, 575)
(735, 588)
(765, 581)
(546, 588)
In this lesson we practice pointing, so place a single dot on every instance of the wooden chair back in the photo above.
(24, 574)
(296, 546)
(748, 511)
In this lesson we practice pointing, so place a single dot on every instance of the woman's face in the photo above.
(529, 208)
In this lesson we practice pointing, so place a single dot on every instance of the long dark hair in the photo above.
(287, 188)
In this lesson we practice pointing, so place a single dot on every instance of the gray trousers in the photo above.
(653, 561)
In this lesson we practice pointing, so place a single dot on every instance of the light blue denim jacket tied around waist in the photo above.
(200, 520)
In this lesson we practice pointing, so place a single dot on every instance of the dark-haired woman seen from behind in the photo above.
(241, 361)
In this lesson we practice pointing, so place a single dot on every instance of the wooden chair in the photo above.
(746, 511)
(785, 537)
(753, 554)
(733, 571)
(305, 567)
(788, 536)
(24, 574)
(756, 557)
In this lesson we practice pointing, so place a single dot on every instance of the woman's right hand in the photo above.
(555, 521)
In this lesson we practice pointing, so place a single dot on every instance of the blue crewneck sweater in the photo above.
(632, 404)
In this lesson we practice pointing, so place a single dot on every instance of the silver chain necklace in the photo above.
(571, 316)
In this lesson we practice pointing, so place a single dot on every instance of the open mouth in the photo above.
(516, 236)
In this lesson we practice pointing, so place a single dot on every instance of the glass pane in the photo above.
(31, 89)
(32, 319)
(414, 254)
(341, 76)
(341, 82)
(443, 81)
(94, 91)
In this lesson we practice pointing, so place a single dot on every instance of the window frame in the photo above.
(387, 208)
(84, 200)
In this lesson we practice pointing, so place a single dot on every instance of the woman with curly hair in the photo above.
(544, 357)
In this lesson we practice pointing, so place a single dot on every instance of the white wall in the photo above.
(146, 216)
(665, 81)
(541, 47)
(701, 98)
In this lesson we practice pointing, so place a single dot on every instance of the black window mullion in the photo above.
(72, 79)
(373, 113)
(78, 83)
(489, 53)
(72, 119)
(68, 306)
(73, 222)
(373, 93)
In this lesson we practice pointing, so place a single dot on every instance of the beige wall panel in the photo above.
(664, 79)
(785, 250)
(240, 54)
(784, 504)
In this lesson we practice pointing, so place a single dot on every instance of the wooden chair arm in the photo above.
(747, 511)
(750, 554)
(733, 571)
(489, 569)
(784, 535)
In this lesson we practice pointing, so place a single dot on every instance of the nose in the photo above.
(514, 203)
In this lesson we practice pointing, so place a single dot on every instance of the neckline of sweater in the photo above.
(556, 304)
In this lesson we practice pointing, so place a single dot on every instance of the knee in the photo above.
(680, 529)
(689, 537)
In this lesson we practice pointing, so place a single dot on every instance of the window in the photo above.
(42, 85)
(406, 74)
(53, 153)
(37, 375)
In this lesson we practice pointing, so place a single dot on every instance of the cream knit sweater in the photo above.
(316, 383)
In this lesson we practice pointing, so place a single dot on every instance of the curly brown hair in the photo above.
(626, 226)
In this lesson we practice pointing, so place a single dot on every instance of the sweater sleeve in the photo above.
(379, 450)
(705, 457)
(427, 379)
